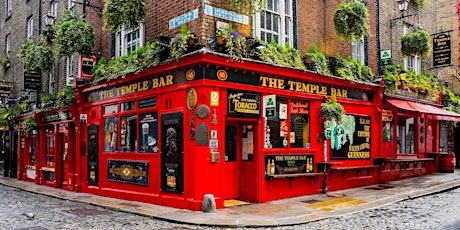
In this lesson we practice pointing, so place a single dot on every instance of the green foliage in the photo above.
(29, 124)
(351, 21)
(332, 110)
(74, 35)
(5, 63)
(179, 44)
(355, 71)
(47, 35)
(135, 61)
(36, 58)
(24, 107)
(65, 97)
(7, 117)
(121, 13)
(421, 3)
(416, 44)
(317, 61)
(450, 100)
(47, 98)
(279, 55)
(235, 44)
(252, 6)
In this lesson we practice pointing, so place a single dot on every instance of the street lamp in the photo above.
(49, 18)
(402, 4)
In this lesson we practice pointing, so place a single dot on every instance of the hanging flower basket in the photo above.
(351, 21)
(36, 58)
(332, 110)
(74, 36)
(416, 44)
(121, 13)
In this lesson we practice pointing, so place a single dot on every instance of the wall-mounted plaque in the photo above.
(202, 137)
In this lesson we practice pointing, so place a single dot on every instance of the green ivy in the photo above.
(135, 61)
(252, 6)
(279, 55)
(416, 44)
(74, 35)
(117, 14)
(235, 44)
(47, 35)
(179, 44)
(332, 110)
(450, 100)
(36, 58)
(355, 71)
(351, 21)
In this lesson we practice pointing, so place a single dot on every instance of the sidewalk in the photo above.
(276, 213)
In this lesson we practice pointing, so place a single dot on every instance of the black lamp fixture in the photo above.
(403, 4)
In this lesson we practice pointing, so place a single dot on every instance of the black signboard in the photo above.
(441, 49)
(32, 81)
(132, 172)
(172, 153)
(288, 164)
(351, 139)
(5, 89)
(243, 103)
(57, 116)
(93, 154)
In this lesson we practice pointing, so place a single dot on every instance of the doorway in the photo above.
(239, 161)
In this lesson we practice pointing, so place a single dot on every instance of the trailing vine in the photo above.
(36, 58)
(117, 14)
(279, 55)
(316, 61)
(235, 44)
(179, 44)
(351, 21)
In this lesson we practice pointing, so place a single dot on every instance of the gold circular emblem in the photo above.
(190, 75)
(222, 75)
(191, 98)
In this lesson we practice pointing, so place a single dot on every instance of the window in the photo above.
(406, 135)
(275, 22)
(71, 65)
(128, 40)
(53, 10)
(49, 154)
(414, 63)
(7, 44)
(138, 132)
(52, 81)
(443, 136)
(292, 131)
(32, 149)
(357, 51)
(30, 28)
(71, 5)
(9, 8)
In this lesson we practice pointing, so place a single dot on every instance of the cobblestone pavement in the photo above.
(438, 211)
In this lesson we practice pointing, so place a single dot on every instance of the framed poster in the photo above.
(351, 138)
(172, 153)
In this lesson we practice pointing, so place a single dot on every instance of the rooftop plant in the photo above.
(316, 61)
(7, 116)
(235, 44)
(354, 70)
(279, 55)
(180, 43)
(29, 124)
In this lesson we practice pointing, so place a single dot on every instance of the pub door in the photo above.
(239, 166)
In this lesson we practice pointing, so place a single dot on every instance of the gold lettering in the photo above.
(264, 81)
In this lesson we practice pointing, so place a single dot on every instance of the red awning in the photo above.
(440, 113)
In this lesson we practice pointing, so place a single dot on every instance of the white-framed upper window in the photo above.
(9, 7)
(357, 51)
(414, 63)
(71, 65)
(52, 82)
(71, 5)
(275, 21)
(7, 43)
(128, 40)
(30, 28)
(53, 10)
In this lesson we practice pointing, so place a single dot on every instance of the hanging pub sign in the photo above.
(5, 89)
(441, 49)
(32, 81)
(86, 64)
(243, 103)
(351, 138)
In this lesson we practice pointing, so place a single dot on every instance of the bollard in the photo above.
(209, 204)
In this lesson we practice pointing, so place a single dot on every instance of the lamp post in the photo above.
(402, 6)
(49, 19)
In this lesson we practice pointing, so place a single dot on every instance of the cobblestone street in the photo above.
(438, 211)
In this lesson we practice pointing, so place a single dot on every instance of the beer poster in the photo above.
(350, 139)
(172, 153)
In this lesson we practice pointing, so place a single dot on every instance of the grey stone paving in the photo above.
(438, 211)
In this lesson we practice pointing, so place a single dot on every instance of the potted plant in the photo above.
(36, 58)
(73, 35)
(279, 55)
(235, 44)
(332, 110)
(117, 14)
(29, 124)
(182, 42)
(48, 100)
(7, 117)
(351, 21)
(316, 61)
(416, 44)
(5, 63)
(65, 97)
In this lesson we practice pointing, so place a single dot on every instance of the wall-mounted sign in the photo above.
(131, 172)
(5, 89)
(243, 103)
(184, 18)
(57, 116)
(441, 49)
(86, 64)
(288, 164)
(385, 57)
(32, 81)
(351, 138)
(214, 98)
(225, 14)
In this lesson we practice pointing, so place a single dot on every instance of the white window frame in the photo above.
(7, 44)
(52, 81)
(357, 51)
(414, 63)
(71, 65)
(71, 5)
(122, 42)
(30, 28)
(285, 16)
(9, 8)
(53, 10)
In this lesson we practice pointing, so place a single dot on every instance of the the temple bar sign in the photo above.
(441, 49)
(32, 81)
